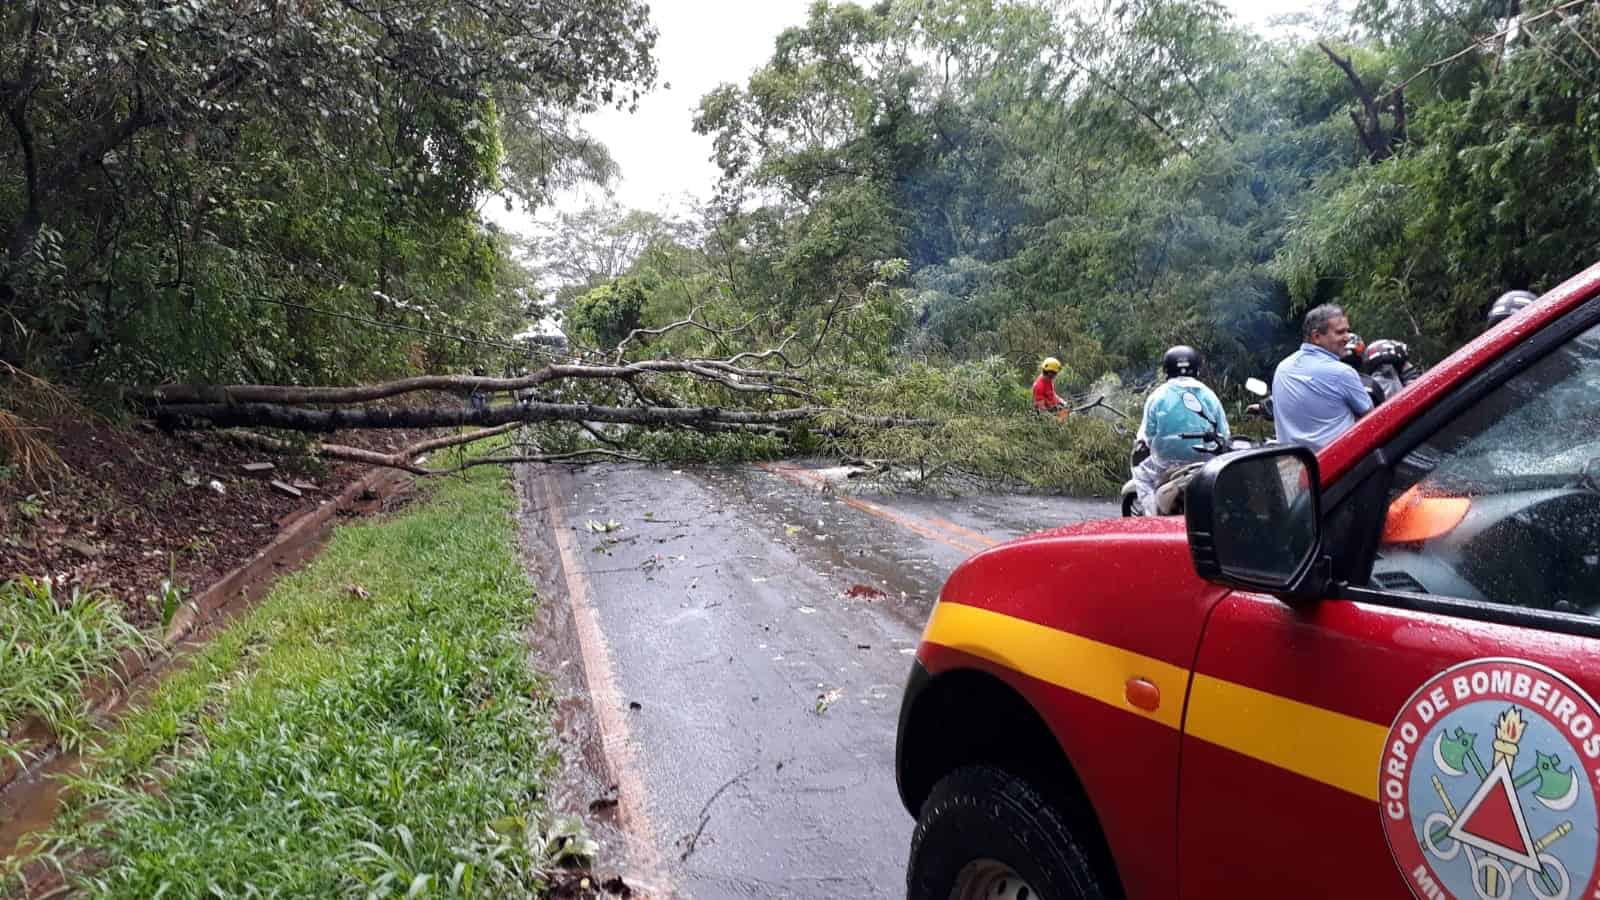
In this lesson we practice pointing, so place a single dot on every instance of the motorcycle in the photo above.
(1261, 409)
(1169, 493)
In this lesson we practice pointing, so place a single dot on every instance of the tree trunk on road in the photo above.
(297, 418)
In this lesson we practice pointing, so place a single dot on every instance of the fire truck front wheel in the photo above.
(984, 832)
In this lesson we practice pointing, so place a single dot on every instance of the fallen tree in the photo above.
(722, 372)
(301, 418)
(958, 428)
(407, 458)
(598, 401)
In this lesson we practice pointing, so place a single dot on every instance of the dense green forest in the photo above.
(193, 189)
(923, 196)
(1099, 182)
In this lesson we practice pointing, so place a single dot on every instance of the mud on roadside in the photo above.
(137, 505)
(588, 786)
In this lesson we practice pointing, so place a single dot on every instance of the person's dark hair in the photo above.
(1318, 319)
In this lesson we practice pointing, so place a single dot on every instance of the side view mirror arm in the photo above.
(1254, 522)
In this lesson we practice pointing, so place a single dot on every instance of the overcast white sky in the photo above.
(702, 44)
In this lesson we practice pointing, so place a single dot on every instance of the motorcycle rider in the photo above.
(1167, 415)
(1355, 356)
(1507, 305)
(1389, 364)
(1354, 347)
(1044, 387)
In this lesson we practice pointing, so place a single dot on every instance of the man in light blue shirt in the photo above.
(1315, 396)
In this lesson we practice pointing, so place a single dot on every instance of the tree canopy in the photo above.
(224, 190)
(915, 195)
(1104, 180)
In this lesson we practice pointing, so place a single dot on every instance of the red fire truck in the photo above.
(1367, 673)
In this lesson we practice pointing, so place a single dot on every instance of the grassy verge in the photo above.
(371, 728)
(50, 646)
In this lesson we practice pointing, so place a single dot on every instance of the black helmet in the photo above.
(1354, 349)
(1181, 360)
(1388, 353)
(1509, 304)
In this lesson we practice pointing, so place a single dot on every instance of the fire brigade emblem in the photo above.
(1489, 782)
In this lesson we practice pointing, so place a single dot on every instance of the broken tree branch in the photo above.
(454, 440)
(1349, 70)
(690, 842)
(406, 459)
(716, 369)
(1543, 46)
(278, 415)
(688, 322)
(1479, 43)
(822, 333)
(1379, 143)
(598, 435)
(1578, 33)
(579, 457)
(327, 451)
(777, 352)
(400, 459)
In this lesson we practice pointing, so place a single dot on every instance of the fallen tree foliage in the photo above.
(593, 406)
(938, 427)
(301, 418)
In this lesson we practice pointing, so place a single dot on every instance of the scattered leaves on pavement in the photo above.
(827, 698)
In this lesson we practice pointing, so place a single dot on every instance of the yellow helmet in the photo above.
(1051, 365)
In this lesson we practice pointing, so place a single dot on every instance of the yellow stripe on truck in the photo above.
(1338, 750)
(1095, 670)
(1321, 744)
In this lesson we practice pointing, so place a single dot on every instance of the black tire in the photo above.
(979, 813)
(1130, 506)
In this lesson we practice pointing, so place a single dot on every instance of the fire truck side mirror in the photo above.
(1255, 521)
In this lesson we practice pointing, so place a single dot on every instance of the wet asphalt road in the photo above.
(753, 634)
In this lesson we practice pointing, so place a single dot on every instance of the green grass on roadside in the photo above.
(50, 646)
(371, 728)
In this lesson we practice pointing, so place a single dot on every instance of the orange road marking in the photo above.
(911, 523)
(978, 536)
(606, 701)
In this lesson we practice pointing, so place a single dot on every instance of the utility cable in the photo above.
(401, 326)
